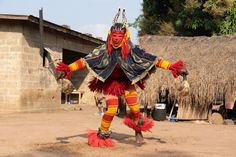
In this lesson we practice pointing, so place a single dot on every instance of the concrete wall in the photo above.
(10, 59)
(25, 84)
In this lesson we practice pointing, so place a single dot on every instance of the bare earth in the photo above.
(63, 133)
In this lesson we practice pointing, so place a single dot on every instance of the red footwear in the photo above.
(144, 123)
(95, 140)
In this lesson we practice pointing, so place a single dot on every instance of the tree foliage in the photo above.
(187, 17)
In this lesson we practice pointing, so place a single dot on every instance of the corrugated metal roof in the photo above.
(50, 25)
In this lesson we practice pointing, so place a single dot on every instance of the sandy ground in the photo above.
(63, 133)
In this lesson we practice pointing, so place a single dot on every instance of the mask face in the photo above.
(117, 37)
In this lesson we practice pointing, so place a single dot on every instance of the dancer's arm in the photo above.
(68, 69)
(176, 68)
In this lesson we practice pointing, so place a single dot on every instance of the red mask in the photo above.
(117, 37)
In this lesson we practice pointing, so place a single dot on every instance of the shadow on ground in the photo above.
(166, 154)
(67, 138)
(130, 139)
(119, 137)
(79, 150)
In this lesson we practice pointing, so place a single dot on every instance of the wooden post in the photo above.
(42, 52)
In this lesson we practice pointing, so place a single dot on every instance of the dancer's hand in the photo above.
(183, 72)
(64, 68)
(176, 68)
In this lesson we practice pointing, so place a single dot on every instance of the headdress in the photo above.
(120, 26)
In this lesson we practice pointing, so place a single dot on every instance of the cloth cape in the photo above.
(136, 66)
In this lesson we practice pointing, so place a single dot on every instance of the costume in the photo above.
(117, 67)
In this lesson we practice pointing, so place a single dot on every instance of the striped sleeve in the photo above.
(77, 65)
(164, 64)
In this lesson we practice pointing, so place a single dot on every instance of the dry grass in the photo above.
(210, 62)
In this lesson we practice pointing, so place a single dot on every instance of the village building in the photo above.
(212, 75)
(29, 50)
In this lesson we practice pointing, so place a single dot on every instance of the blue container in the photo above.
(173, 118)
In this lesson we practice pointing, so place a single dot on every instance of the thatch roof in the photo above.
(211, 62)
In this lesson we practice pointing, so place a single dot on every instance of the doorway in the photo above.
(77, 78)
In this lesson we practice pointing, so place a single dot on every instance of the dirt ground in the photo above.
(63, 133)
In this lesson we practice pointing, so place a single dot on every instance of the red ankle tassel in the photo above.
(96, 141)
(175, 67)
(146, 126)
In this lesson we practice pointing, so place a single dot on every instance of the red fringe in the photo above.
(125, 49)
(95, 85)
(96, 141)
(115, 87)
(65, 68)
(112, 86)
(175, 67)
(141, 84)
(109, 46)
(147, 125)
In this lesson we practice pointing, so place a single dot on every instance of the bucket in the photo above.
(159, 112)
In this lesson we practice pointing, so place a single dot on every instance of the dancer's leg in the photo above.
(112, 104)
(135, 120)
(101, 138)
(131, 100)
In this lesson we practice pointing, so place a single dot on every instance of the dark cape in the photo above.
(113, 73)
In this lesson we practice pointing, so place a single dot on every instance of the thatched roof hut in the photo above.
(211, 62)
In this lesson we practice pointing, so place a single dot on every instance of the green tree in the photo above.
(228, 25)
(187, 17)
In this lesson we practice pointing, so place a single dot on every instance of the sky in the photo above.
(86, 16)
